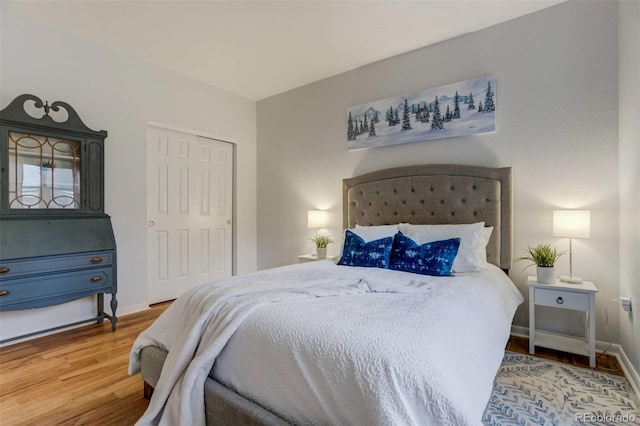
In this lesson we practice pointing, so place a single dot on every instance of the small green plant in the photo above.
(542, 255)
(322, 241)
(47, 164)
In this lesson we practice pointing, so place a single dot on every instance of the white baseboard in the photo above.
(519, 331)
(614, 349)
(127, 310)
(629, 371)
(48, 333)
(132, 309)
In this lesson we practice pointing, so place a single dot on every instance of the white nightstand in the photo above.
(577, 297)
(313, 257)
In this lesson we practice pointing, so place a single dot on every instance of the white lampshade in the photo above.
(317, 218)
(572, 223)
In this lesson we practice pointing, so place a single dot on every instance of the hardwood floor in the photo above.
(79, 377)
(604, 362)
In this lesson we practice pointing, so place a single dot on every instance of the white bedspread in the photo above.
(350, 345)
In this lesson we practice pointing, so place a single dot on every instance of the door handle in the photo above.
(151, 224)
(96, 279)
(559, 300)
(96, 260)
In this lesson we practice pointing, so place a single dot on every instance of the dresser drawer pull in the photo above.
(4, 270)
(4, 293)
(559, 300)
(96, 279)
(96, 259)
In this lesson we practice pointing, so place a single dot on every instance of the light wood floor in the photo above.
(604, 362)
(79, 377)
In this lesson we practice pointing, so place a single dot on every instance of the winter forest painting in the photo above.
(458, 109)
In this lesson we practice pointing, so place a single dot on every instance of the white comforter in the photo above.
(350, 345)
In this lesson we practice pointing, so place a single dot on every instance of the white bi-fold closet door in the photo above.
(189, 211)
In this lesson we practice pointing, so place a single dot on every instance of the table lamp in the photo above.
(317, 219)
(571, 224)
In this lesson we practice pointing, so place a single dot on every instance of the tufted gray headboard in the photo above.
(435, 194)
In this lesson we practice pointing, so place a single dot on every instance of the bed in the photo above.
(244, 389)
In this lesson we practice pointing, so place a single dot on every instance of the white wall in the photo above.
(629, 127)
(121, 95)
(557, 109)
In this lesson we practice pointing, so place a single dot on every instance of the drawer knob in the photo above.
(4, 293)
(559, 300)
(96, 279)
(96, 259)
(4, 270)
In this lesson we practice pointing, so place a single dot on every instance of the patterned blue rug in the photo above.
(535, 391)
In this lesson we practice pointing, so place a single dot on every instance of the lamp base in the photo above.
(571, 280)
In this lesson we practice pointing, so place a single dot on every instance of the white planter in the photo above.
(546, 275)
(321, 252)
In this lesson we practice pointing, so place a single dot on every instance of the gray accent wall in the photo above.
(557, 127)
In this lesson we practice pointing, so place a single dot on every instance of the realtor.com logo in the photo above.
(606, 418)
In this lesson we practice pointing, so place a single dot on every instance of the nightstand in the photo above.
(313, 257)
(577, 297)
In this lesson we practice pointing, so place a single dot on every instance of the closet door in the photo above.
(189, 212)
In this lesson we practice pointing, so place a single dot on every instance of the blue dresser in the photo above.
(56, 242)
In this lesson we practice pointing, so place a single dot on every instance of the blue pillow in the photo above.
(374, 254)
(433, 258)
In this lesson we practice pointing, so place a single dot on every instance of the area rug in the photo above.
(533, 391)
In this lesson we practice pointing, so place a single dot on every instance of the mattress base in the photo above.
(223, 406)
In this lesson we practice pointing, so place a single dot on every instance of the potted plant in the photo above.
(321, 242)
(544, 257)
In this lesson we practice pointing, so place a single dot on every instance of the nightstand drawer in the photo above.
(562, 299)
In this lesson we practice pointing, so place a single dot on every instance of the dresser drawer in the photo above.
(564, 299)
(38, 265)
(26, 293)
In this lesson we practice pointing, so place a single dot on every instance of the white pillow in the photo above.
(370, 233)
(486, 235)
(472, 254)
